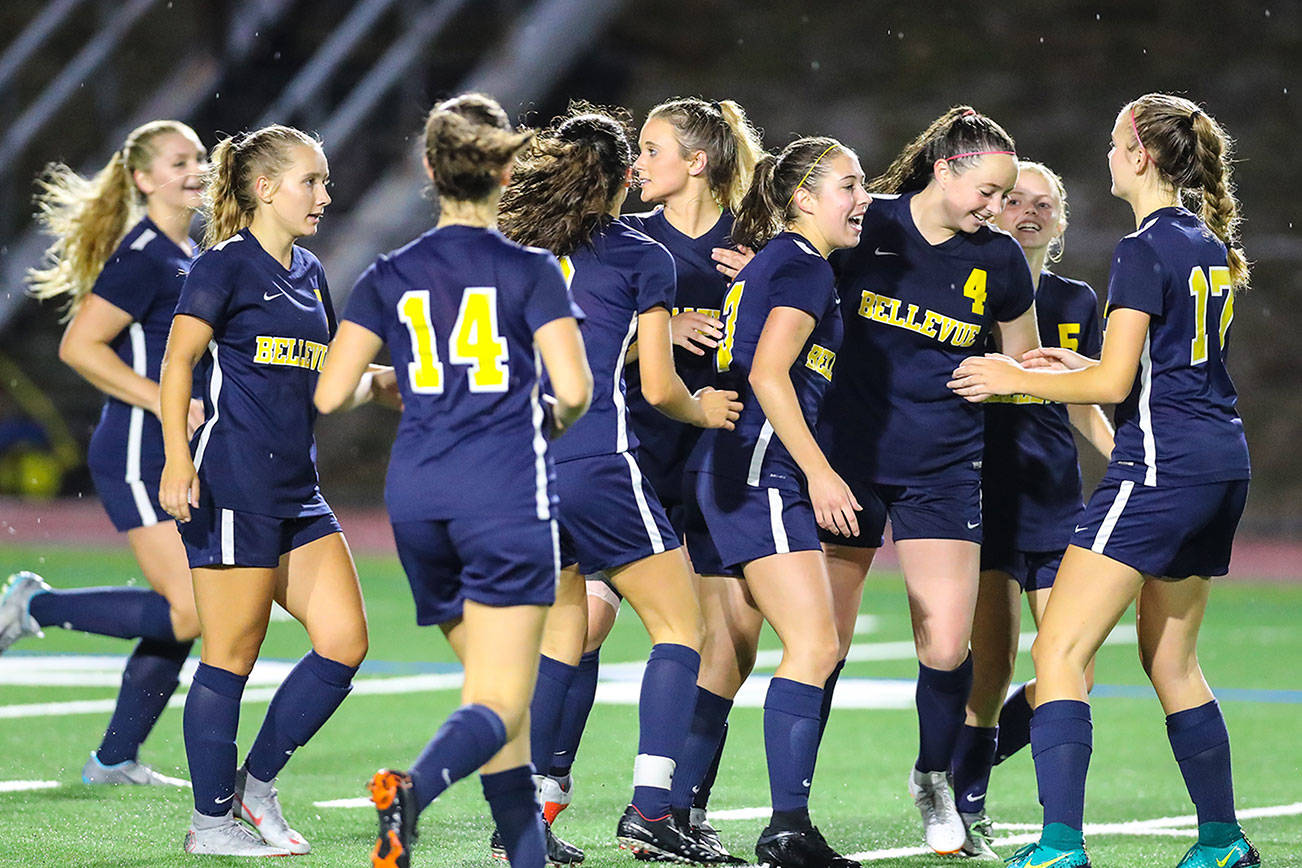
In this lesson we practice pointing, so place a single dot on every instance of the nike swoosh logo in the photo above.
(253, 818)
(974, 796)
(1050, 862)
(806, 783)
(1081, 527)
(881, 252)
(268, 296)
(971, 525)
(1228, 856)
(226, 799)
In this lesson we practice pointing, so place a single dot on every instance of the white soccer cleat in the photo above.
(129, 772)
(942, 828)
(15, 619)
(231, 838)
(554, 794)
(262, 812)
(980, 836)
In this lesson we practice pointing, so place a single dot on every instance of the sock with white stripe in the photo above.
(212, 717)
(467, 739)
(547, 707)
(664, 713)
(148, 682)
(126, 613)
(303, 703)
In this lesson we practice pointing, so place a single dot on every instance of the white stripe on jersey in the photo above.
(539, 444)
(757, 454)
(135, 428)
(617, 393)
(1114, 513)
(214, 391)
(643, 508)
(145, 237)
(1146, 412)
(228, 537)
(781, 546)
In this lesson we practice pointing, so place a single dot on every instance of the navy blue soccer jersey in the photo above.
(665, 443)
(458, 308)
(1031, 482)
(788, 272)
(271, 327)
(617, 275)
(1179, 425)
(913, 311)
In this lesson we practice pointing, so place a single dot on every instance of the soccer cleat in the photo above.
(941, 826)
(658, 840)
(554, 794)
(1039, 856)
(980, 836)
(391, 793)
(15, 619)
(1240, 854)
(126, 772)
(231, 838)
(803, 849)
(693, 822)
(558, 852)
(263, 813)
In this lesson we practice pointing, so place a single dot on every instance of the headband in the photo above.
(979, 154)
(1134, 126)
(805, 177)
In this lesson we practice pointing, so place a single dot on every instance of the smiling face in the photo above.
(298, 198)
(973, 195)
(833, 211)
(174, 177)
(1033, 211)
(661, 169)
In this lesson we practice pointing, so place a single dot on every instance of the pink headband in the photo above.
(1134, 126)
(978, 154)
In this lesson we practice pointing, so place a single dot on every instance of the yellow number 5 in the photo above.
(1067, 332)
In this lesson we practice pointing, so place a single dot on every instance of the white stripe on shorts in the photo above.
(775, 522)
(135, 430)
(228, 537)
(1110, 520)
(643, 508)
(757, 454)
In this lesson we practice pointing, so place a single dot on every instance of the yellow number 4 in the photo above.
(476, 342)
(975, 289)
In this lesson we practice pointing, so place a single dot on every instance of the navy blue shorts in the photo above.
(1033, 571)
(129, 503)
(730, 523)
(494, 560)
(942, 510)
(1169, 533)
(610, 515)
(225, 537)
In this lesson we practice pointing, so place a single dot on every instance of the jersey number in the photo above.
(1215, 281)
(732, 301)
(475, 341)
(1067, 335)
(975, 289)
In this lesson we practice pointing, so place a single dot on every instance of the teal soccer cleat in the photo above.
(1039, 856)
(1240, 854)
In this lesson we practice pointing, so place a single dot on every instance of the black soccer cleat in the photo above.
(707, 837)
(391, 792)
(798, 849)
(558, 852)
(659, 840)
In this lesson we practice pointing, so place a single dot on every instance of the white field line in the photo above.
(26, 786)
(105, 670)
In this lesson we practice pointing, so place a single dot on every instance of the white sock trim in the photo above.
(653, 771)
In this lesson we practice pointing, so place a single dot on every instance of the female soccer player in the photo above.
(695, 162)
(929, 281)
(1030, 498)
(1162, 521)
(254, 523)
(757, 494)
(567, 189)
(469, 488)
(122, 289)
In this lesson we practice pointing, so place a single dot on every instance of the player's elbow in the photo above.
(71, 352)
(325, 400)
(573, 397)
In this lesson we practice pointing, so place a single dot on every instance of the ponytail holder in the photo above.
(805, 178)
(969, 113)
(979, 154)
(714, 104)
(1193, 115)
(1134, 126)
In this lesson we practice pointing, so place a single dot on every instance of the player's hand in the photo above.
(1055, 359)
(978, 377)
(731, 260)
(194, 419)
(720, 408)
(695, 332)
(178, 489)
(834, 503)
(384, 387)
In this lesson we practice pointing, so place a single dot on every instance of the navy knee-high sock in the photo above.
(574, 717)
(211, 719)
(302, 704)
(701, 748)
(127, 613)
(148, 682)
(942, 699)
(829, 688)
(1014, 725)
(466, 740)
(974, 756)
(702, 797)
(1201, 745)
(549, 692)
(791, 724)
(510, 796)
(664, 713)
(1062, 738)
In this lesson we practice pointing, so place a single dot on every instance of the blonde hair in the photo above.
(88, 217)
(1192, 151)
(722, 131)
(1054, 253)
(237, 162)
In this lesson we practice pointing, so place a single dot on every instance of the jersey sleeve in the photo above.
(207, 291)
(655, 282)
(805, 283)
(1136, 280)
(365, 307)
(130, 281)
(327, 302)
(549, 298)
(1019, 291)
(1091, 332)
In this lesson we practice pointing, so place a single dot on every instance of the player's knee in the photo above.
(349, 647)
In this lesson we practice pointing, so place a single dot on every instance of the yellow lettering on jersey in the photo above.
(1067, 335)
(567, 270)
(262, 356)
(705, 310)
(477, 342)
(289, 352)
(424, 371)
(929, 323)
(732, 301)
(820, 360)
(975, 289)
(1016, 399)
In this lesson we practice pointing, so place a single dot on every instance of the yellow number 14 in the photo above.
(475, 341)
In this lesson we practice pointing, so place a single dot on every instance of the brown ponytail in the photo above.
(469, 140)
(236, 164)
(961, 135)
(768, 206)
